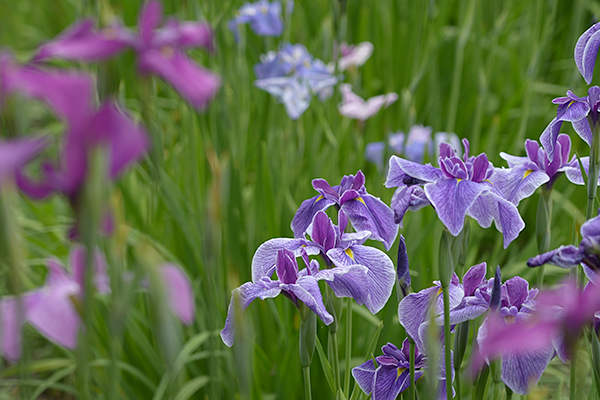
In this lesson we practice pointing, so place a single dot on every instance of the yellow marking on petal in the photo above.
(488, 181)
(319, 198)
(526, 174)
(570, 104)
(361, 200)
(400, 371)
(350, 253)
(167, 52)
(439, 291)
(509, 319)
(458, 180)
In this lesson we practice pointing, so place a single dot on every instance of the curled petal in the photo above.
(15, 154)
(305, 214)
(586, 51)
(306, 289)
(564, 257)
(369, 213)
(401, 168)
(549, 137)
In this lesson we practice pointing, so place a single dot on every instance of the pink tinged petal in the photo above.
(308, 209)
(369, 213)
(195, 84)
(580, 50)
(474, 278)
(381, 276)
(364, 375)
(241, 298)
(357, 56)
(400, 168)
(11, 322)
(549, 137)
(149, 19)
(180, 295)
(265, 258)
(187, 34)
(307, 291)
(519, 182)
(451, 199)
(14, 154)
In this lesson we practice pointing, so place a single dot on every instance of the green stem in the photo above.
(592, 182)
(543, 227)
(447, 342)
(573, 377)
(411, 388)
(335, 364)
(307, 391)
(348, 346)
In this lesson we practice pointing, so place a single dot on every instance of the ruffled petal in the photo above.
(265, 258)
(518, 182)
(369, 213)
(400, 169)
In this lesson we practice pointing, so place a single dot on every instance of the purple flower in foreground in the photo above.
(458, 188)
(160, 51)
(586, 51)
(579, 111)
(571, 256)
(264, 18)
(14, 154)
(526, 174)
(366, 212)
(391, 375)
(355, 55)
(52, 309)
(355, 107)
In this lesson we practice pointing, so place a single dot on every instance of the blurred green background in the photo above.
(233, 176)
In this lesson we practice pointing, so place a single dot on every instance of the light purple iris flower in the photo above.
(586, 51)
(52, 309)
(416, 143)
(365, 273)
(355, 107)
(458, 188)
(579, 111)
(366, 212)
(391, 375)
(526, 174)
(292, 92)
(570, 256)
(263, 16)
(160, 51)
(14, 154)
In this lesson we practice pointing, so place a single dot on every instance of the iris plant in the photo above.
(263, 16)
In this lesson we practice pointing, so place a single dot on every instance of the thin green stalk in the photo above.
(458, 389)
(592, 182)
(307, 390)
(573, 372)
(411, 388)
(543, 227)
(447, 342)
(335, 363)
(348, 346)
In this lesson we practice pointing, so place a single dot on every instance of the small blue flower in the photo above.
(264, 18)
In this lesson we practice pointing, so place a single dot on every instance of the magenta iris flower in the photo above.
(459, 187)
(391, 375)
(366, 212)
(52, 310)
(263, 16)
(160, 51)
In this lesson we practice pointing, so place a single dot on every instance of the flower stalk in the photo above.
(347, 376)
(446, 268)
(592, 183)
(411, 388)
(543, 227)
(308, 338)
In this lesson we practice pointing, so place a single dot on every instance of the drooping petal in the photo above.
(180, 294)
(586, 51)
(364, 374)
(518, 182)
(306, 289)
(407, 198)
(591, 227)
(385, 386)
(573, 170)
(573, 111)
(582, 128)
(467, 313)
(452, 198)
(521, 371)
(400, 168)
(369, 213)
(564, 257)
(265, 258)
(195, 84)
(15, 154)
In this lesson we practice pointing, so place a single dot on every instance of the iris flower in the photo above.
(263, 16)
(52, 309)
(586, 51)
(354, 55)
(355, 107)
(366, 212)
(459, 187)
(160, 51)
(14, 154)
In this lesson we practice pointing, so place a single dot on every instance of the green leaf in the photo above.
(191, 387)
(327, 370)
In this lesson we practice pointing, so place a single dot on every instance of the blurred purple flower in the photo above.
(355, 55)
(390, 375)
(14, 154)
(458, 188)
(292, 92)
(160, 51)
(355, 107)
(366, 212)
(444, 137)
(526, 174)
(579, 111)
(586, 51)
(264, 18)
(416, 143)
(364, 273)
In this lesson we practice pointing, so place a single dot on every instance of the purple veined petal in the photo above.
(413, 311)
(452, 198)
(369, 213)
(521, 371)
(573, 171)
(357, 56)
(474, 278)
(491, 206)
(11, 323)
(195, 84)
(586, 46)
(180, 295)
(582, 128)
(402, 268)
(406, 198)
(399, 168)
(81, 42)
(149, 19)
(53, 314)
(352, 283)
(480, 167)
(116, 130)
(265, 258)
(573, 110)
(386, 385)
(468, 313)
(244, 295)
(591, 227)
(560, 346)
(549, 137)
(14, 154)
(517, 290)
(323, 232)
(364, 375)
(295, 98)
(374, 153)
(357, 273)
(564, 257)
(532, 149)
(513, 160)
(323, 187)
(381, 276)
(519, 182)
(305, 214)
(306, 289)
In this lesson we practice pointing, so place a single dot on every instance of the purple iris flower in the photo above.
(368, 274)
(571, 256)
(391, 375)
(14, 154)
(52, 308)
(264, 18)
(526, 174)
(292, 92)
(160, 51)
(366, 212)
(458, 188)
(586, 51)
(579, 111)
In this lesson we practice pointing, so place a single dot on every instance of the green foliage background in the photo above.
(233, 176)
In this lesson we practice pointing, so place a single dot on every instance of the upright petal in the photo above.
(308, 209)
(265, 258)
(586, 51)
(11, 322)
(149, 19)
(180, 294)
(549, 137)
(474, 278)
(402, 268)
(369, 213)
